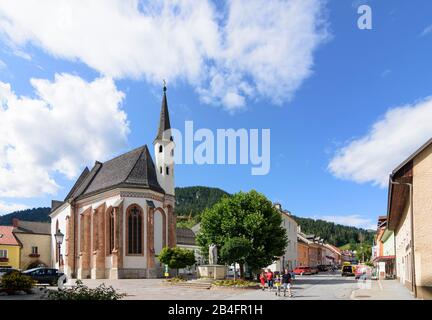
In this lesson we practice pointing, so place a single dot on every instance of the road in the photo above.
(326, 286)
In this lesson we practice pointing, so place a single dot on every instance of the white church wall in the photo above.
(60, 217)
(158, 232)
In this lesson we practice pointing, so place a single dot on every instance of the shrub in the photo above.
(82, 292)
(16, 281)
(234, 283)
(176, 279)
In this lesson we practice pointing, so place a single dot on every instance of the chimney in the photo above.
(15, 222)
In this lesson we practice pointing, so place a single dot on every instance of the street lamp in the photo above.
(59, 239)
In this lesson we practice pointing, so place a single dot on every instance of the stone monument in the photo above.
(212, 270)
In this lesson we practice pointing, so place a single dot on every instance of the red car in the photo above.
(302, 270)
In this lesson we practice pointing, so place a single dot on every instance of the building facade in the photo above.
(409, 217)
(289, 259)
(120, 214)
(35, 239)
(10, 248)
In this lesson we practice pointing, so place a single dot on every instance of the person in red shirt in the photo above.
(269, 276)
(263, 279)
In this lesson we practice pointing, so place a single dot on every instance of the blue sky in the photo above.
(344, 106)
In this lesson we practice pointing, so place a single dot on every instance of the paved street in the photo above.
(316, 287)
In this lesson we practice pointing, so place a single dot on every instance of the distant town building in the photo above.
(383, 255)
(10, 248)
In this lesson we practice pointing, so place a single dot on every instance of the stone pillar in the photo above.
(98, 269)
(84, 255)
(150, 243)
(172, 241)
(114, 274)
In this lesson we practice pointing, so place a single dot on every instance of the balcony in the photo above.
(34, 255)
(4, 259)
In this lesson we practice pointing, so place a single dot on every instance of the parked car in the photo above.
(45, 275)
(322, 267)
(348, 271)
(314, 270)
(303, 270)
(363, 272)
(4, 271)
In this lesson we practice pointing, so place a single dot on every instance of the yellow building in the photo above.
(35, 240)
(10, 248)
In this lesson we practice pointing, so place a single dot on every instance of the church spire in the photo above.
(164, 122)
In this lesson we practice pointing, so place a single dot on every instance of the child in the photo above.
(263, 280)
(277, 283)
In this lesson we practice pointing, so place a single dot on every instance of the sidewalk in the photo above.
(382, 290)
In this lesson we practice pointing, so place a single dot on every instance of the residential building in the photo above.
(303, 249)
(35, 239)
(383, 255)
(409, 217)
(10, 248)
(120, 214)
(333, 255)
(289, 258)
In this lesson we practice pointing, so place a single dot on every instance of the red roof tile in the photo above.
(7, 237)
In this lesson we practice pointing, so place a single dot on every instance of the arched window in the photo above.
(160, 149)
(167, 171)
(135, 230)
(172, 152)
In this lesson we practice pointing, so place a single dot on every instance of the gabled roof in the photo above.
(7, 237)
(412, 156)
(33, 227)
(164, 121)
(133, 169)
(81, 178)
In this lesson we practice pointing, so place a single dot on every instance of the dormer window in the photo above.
(160, 149)
(167, 171)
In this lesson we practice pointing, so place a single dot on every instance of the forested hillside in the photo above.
(35, 214)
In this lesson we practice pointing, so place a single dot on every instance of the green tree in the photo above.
(250, 216)
(176, 258)
(236, 250)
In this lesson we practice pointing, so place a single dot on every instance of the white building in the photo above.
(120, 214)
(289, 259)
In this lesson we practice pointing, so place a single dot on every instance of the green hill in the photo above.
(35, 214)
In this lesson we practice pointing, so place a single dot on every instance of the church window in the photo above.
(160, 149)
(160, 170)
(167, 170)
(134, 223)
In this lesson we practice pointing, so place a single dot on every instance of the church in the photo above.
(120, 214)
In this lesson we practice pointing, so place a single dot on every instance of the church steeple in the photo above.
(164, 121)
(164, 149)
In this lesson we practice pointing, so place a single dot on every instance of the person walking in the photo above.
(278, 283)
(270, 276)
(286, 283)
(263, 280)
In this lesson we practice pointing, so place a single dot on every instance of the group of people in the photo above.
(282, 282)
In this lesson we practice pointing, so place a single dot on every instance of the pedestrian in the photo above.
(286, 283)
(263, 280)
(277, 283)
(270, 276)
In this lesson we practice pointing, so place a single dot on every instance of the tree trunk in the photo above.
(241, 270)
(235, 271)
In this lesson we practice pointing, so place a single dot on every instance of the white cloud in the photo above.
(390, 141)
(248, 50)
(11, 207)
(350, 220)
(69, 123)
(426, 31)
(2, 64)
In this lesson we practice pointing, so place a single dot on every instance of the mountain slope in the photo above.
(35, 214)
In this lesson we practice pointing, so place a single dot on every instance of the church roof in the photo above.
(164, 121)
(185, 236)
(134, 169)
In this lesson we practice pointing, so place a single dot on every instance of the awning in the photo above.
(384, 258)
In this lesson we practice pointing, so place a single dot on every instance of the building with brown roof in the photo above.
(409, 216)
(10, 248)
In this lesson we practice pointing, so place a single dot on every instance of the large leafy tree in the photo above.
(250, 216)
(236, 250)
